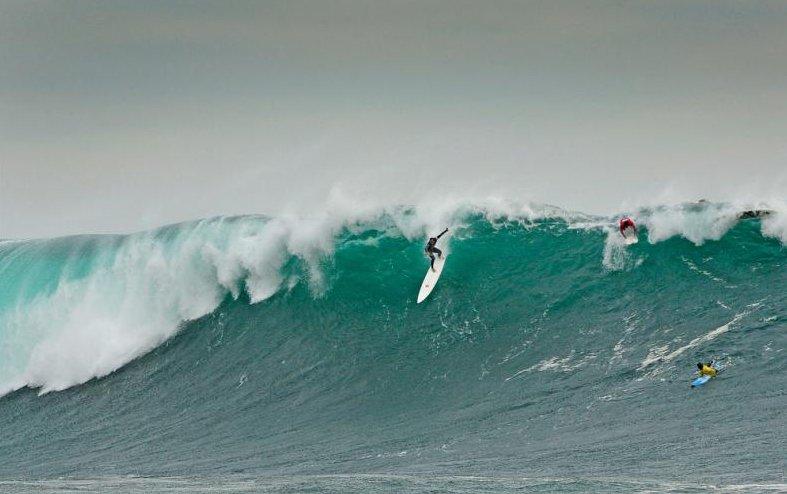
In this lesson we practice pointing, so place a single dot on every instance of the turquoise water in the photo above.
(254, 354)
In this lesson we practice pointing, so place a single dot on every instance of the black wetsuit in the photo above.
(431, 250)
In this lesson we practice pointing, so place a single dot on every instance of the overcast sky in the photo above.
(124, 115)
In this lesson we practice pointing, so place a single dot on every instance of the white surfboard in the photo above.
(430, 280)
(631, 236)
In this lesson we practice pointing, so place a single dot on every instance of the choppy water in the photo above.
(253, 354)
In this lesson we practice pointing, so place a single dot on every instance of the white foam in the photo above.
(696, 223)
(702, 222)
(569, 363)
(90, 327)
(775, 225)
(659, 354)
(616, 255)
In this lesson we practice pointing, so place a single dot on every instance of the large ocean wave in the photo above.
(294, 344)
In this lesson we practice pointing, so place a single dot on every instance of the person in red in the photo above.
(625, 223)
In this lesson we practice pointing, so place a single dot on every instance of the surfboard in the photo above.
(631, 236)
(430, 280)
(700, 381)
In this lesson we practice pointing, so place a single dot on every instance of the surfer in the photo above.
(431, 250)
(626, 223)
(706, 369)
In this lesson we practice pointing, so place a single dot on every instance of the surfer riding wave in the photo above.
(431, 248)
(625, 224)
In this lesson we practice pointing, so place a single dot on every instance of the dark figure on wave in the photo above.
(753, 213)
(431, 250)
(626, 223)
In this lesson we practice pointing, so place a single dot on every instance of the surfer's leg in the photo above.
(439, 252)
(431, 256)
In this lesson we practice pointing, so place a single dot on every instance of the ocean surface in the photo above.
(262, 354)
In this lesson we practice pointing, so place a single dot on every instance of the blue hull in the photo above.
(700, 381)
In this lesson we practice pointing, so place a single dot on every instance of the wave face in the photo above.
(284, 346)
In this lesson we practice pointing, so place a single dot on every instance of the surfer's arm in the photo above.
(444, 232)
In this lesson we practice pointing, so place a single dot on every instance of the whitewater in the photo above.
(282, 354)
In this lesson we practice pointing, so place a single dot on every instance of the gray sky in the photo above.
(118, 116)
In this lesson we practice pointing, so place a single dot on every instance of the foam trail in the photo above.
(658, 354)
(616, 254)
